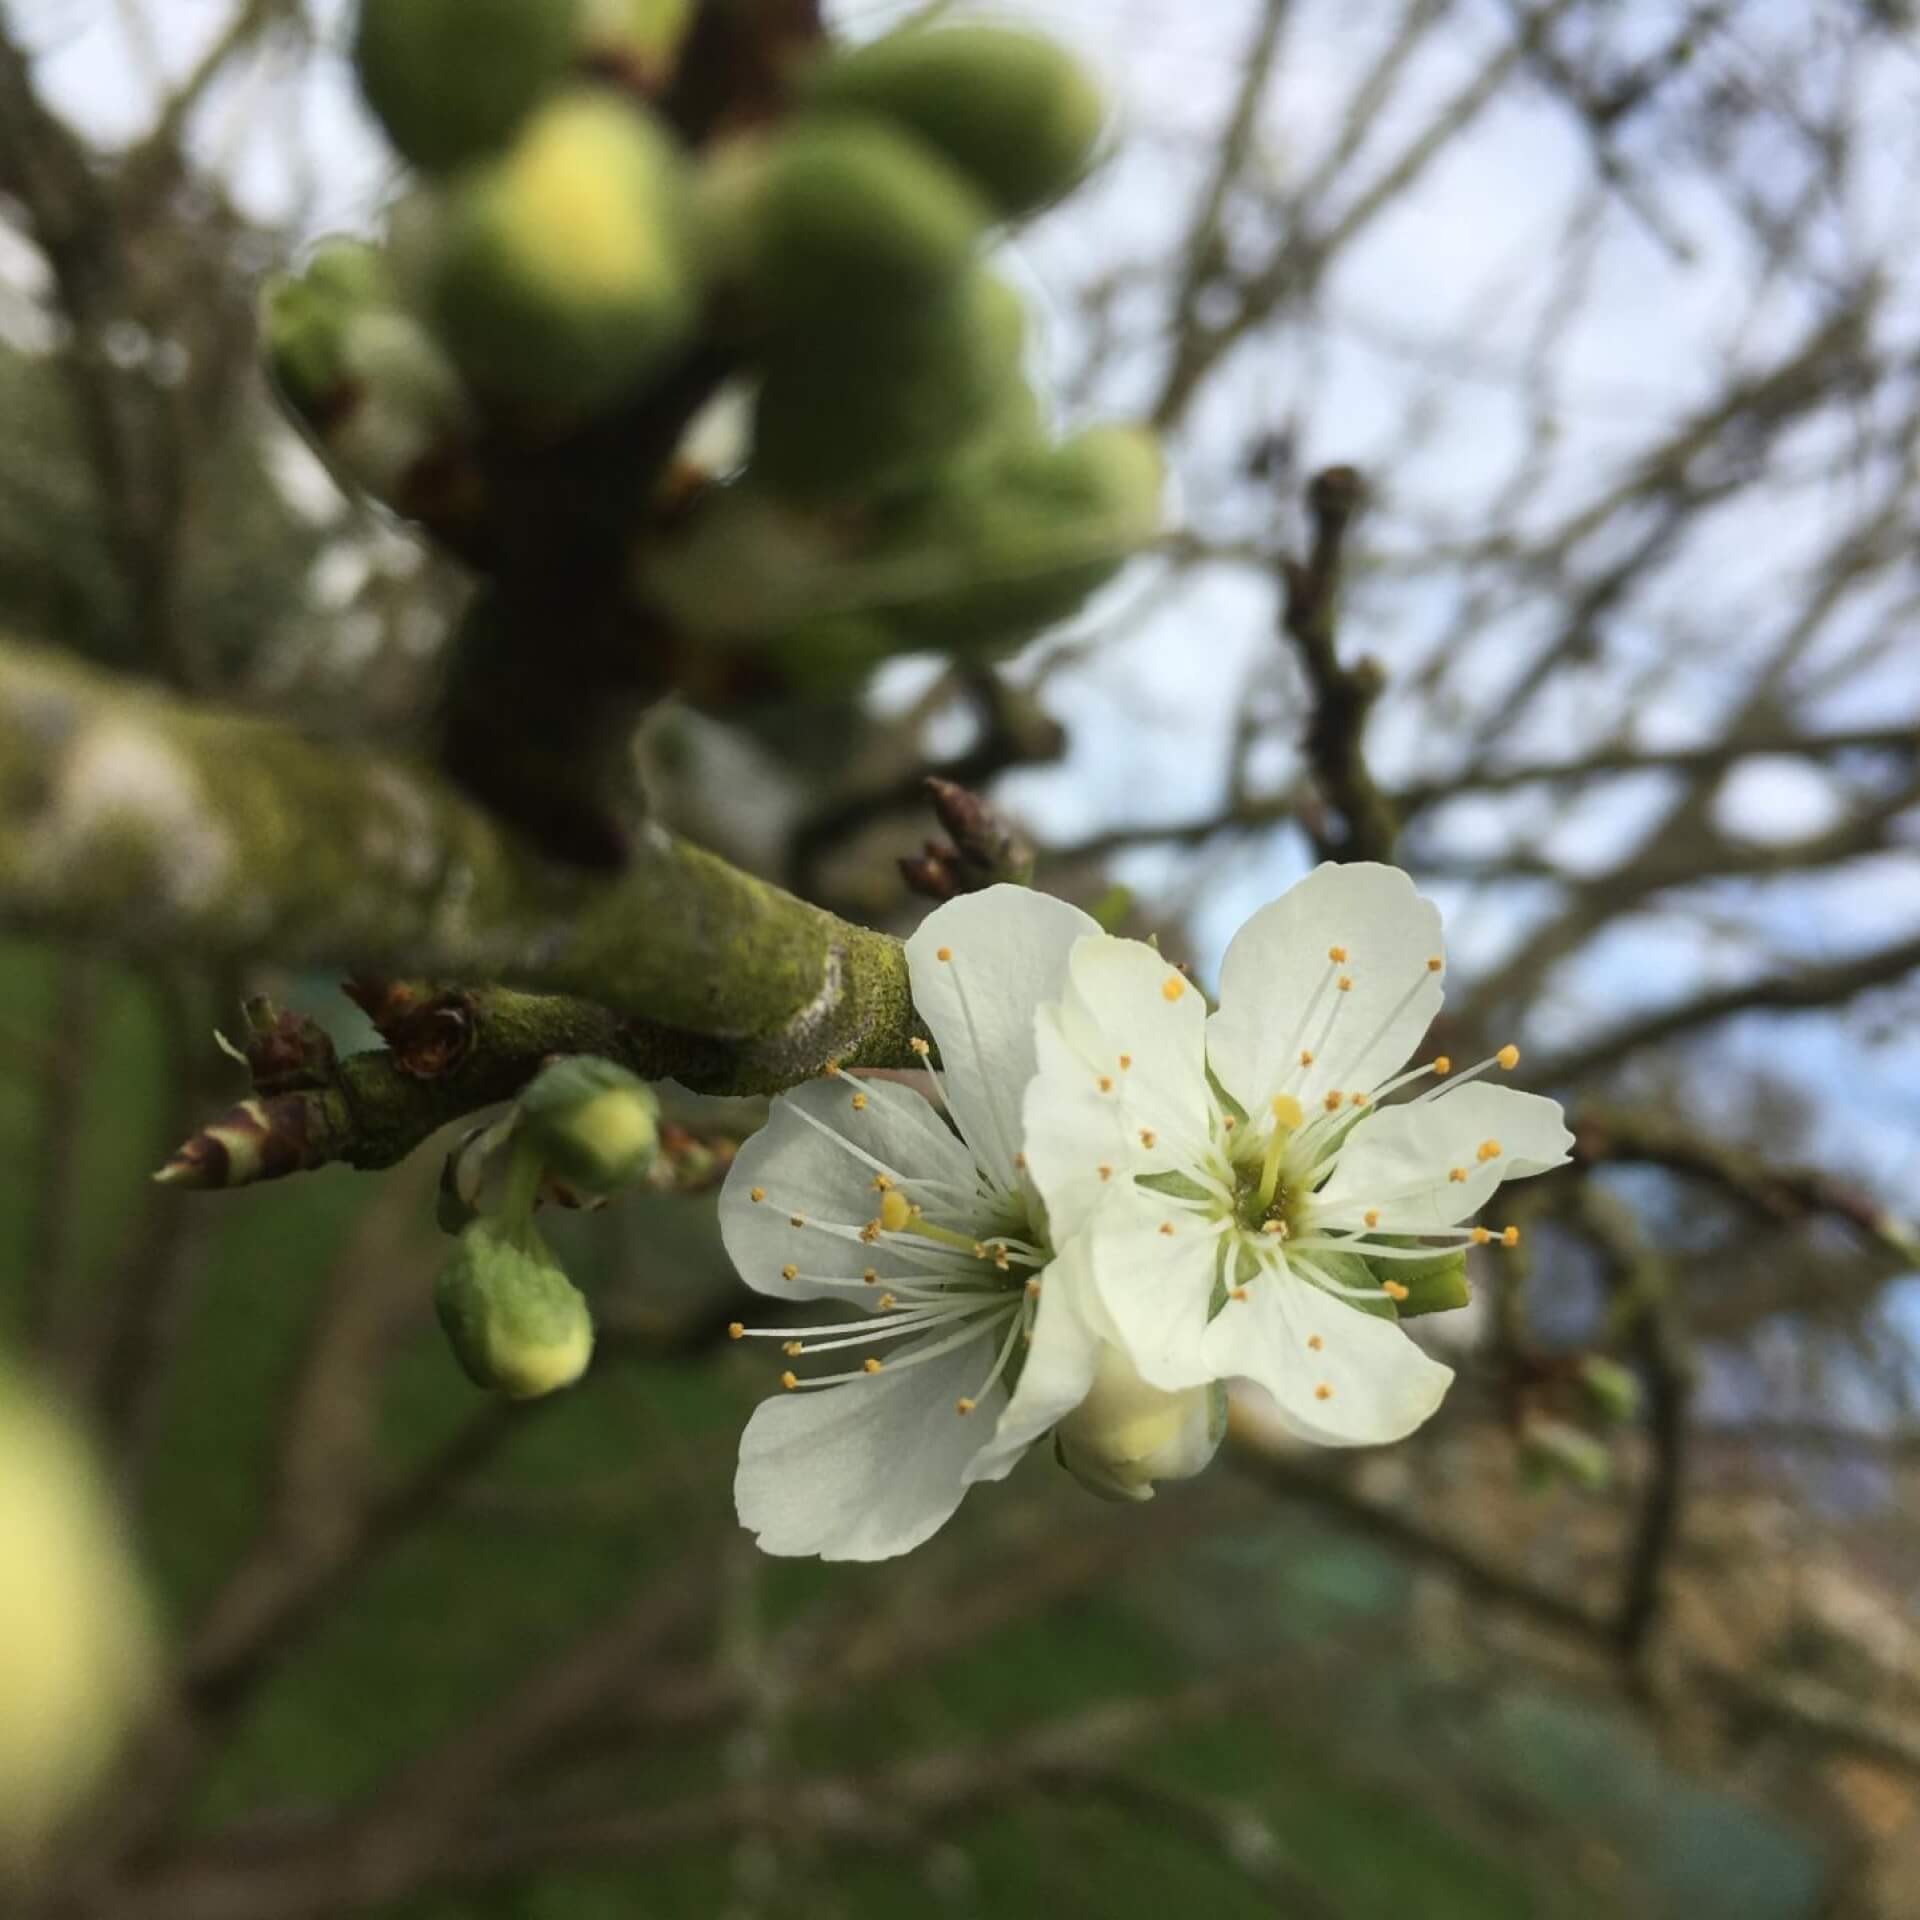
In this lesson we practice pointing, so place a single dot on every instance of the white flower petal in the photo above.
(816, 1159)
(1277, 994)
(1127, 1434)
(1059, 1365)
(1121, 1079)
(1378, 1386)
(1153, 1268)
(869, 1469)
(1400, 1160)
(1008, 949)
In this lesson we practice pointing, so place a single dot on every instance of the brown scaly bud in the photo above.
(934, 874)
(285, 1052)
(429, 1033)
(261, 1139)
(986, 846)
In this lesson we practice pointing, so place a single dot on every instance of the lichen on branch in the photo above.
(137, 818)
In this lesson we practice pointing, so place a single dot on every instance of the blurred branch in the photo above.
(164, 826)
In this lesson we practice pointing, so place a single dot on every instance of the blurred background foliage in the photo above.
(1614, 305)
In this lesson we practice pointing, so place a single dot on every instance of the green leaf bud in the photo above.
(885, 402)
(851, 224)
(304, 319)
(1551, 1450)
(592, 1122)
(453, 79)
(1611, 1389)
(1017, 114)
(1437, 1285)
(563, 274)
(516, 1323)
(1125, 1434)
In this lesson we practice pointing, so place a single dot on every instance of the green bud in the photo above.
(1432, 1286)
(1016, 114)
(1125, 1434)
(1613, 1390)
(453, 79)
(878, 405)
(849, 223)
(304, 319)
(516, 1323)
(1551, 1451)
(563, 274)
(593, 1123)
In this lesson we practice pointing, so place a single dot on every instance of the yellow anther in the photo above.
(1146, 1137)
(871, 1277)
(1372, 1216)
(1315, 1342)
(1020, 1161)
(1239, 1293)
(1332, 1100)
(1126, 1060)
(1345, 983)
(1456, 1175)
(1000, 1259)
(895, 1212)
(1360, 1099)
(796, 1219)
(756, 1194)
(1435, 963)
(1487, 1150)
(859, 1103)
(1509, 1057)
(1393, 1289)
(831, 1068)
(1172, 987)
(881, 1184)
(1166, 1227)
(919, 1046)
(1106, 1173)
(1033, 1289)
(792, 1348)
(1510, 1236)
(979, 1249)
(1323, 1391)
(963, 1405)
(1276, 1228)
(1227, 1123)
(789, 1380)
(870, 1233)
(944, 953)
(886, 1303)
(1338, 955)
(1442, 1064)
(736, 1330)
(1479, 1236)
(870, 1365)
(789, 1272)
(1286, 1111)
(1306, 1056)
(1106, 1083)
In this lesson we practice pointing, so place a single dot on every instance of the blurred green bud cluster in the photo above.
(604, 232)
(584, 1128)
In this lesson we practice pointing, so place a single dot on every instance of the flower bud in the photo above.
(882, 402)
(76, 1647)
(563, 273)
(452, 79)
(1125, 1434)
(516, 1323)
(849, 221)
(1551, 1450)
(593, 1123)
(1013, 112)
(1611, 1389)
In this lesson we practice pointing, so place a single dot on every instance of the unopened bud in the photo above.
(452, 79)
(564, 274)
(1613, 1390)
(516, 1323)
(1438, 1285)
(593, 1123)
(1016, 114)
(76, 1645)
(1125, 1434)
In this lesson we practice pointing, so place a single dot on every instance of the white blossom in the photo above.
(967, 1338)
(1242, 1186)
